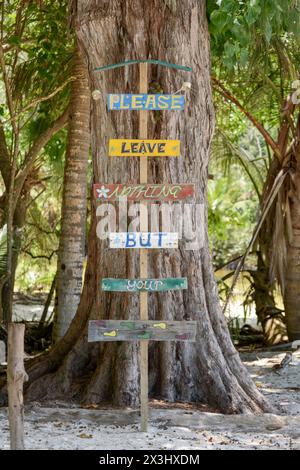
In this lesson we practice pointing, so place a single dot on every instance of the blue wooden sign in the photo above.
(145, 102)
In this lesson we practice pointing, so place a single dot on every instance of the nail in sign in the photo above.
(146, 148)
(157, 102)
(145, 240)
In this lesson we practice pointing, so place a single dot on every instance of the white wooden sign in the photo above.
(143, 240)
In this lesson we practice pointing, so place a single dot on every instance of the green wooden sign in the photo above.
(144, 285)
(137, 330)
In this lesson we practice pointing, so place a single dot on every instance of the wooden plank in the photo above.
(158, 102)
(143, 285)
(16, 376)
(143, 192)
(143, 240)
(142, 63)
(143, 134)
(143, 147)
(141, 330)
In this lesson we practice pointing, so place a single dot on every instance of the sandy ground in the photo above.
(62, 426)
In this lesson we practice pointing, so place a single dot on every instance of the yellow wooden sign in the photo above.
(140, 148)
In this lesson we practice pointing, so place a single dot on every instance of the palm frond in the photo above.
(268, 204)
(279, 246)
(227, 154)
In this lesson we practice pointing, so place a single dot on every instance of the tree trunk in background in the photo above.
(291, 296)
(73, 217)
(7, 291)
(209, 370)
(269, 316)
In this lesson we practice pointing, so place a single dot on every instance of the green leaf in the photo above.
(219, 19)
(14, 40)
(244, 57)
(268, 31)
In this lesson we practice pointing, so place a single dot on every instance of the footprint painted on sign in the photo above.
(110, 333)
(162, 326)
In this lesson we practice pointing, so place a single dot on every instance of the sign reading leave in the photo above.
(144, 285)
(143, 240)
(137, 330)
(140, 148)
(157, 102)
(139, 192)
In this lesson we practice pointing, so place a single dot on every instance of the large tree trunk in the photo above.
(282, 227)
(209, 370)
(291, 296)
(73, 217)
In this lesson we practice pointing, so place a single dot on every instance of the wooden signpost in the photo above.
(143, 148)
(16, 376)
(143, 240)
(138, 330)
(143, 330)
(145, 102)
(140, 192)
(144, 285)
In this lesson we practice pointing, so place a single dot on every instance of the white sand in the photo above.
(70, 427)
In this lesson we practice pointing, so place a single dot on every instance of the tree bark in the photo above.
(291, 296)
(73, 219)
(209, 370)
(19, 203)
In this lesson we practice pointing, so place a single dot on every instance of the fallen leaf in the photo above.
(90, 406)
(85, 436)
(273, 427)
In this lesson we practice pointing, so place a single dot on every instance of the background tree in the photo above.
(73, 215)
(258, 44)
(33, 111)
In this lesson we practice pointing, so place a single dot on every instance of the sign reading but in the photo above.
(156, 102)
(145, 240)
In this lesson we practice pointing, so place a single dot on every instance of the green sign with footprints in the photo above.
(137, 330)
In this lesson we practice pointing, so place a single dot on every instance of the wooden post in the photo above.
(16, 376)
(143, 124)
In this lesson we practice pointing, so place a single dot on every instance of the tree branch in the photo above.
(27, 252)
(224, 92)
(8, 93)
(34, 151)
(40, 100)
